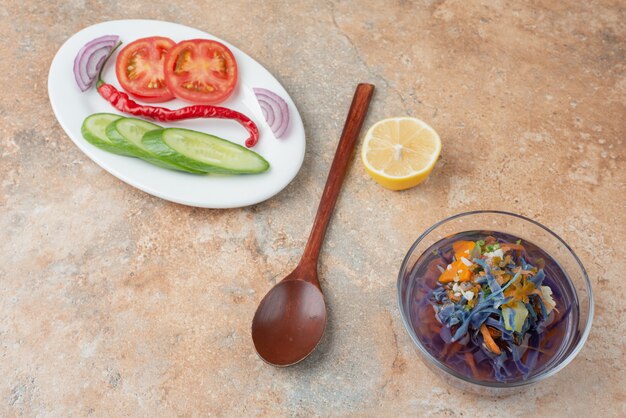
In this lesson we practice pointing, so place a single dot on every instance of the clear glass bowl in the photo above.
(525, 229)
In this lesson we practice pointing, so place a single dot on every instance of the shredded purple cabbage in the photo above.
(509, 302)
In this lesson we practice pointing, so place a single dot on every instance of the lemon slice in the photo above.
(400, 153)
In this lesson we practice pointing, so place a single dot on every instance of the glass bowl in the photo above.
(527, 230)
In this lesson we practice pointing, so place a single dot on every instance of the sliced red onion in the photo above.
(90, 60)
(275, 110)
(95, 62)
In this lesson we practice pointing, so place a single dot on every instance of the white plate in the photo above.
(285, 155)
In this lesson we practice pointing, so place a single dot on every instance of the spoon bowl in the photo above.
(289, 322)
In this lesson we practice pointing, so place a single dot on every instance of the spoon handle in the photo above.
(351, 129)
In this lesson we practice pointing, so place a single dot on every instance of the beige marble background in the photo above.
(116, 303)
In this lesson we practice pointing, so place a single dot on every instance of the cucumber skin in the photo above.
(118, 139)
(97, 142)
(153, 140)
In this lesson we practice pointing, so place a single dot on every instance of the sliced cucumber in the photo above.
(94, 131)
(126, 134)
(203, 152)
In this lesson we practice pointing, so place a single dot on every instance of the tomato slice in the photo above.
(201, 71)
(139, 68)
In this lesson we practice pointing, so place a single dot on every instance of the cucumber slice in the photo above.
(204, 152)
(126, 134)
(94, 132)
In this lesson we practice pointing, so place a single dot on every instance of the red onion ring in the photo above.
(90, 59)
(275, 110)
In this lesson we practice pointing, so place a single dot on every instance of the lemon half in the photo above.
(400, 153)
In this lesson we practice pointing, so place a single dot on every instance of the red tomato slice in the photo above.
(201, 71)
(139, 69)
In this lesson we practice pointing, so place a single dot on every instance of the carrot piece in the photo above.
(451, 349)
(491, 344)
(469, 357)
(457, 271)
(494, 332)
(545, 341)
(434, 327)
(512, 247)
(463, 249)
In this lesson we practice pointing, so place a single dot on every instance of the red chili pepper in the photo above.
(123, 103)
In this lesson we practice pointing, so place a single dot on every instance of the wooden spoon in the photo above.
(290, 320)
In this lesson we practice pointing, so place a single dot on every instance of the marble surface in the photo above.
(117, 303)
